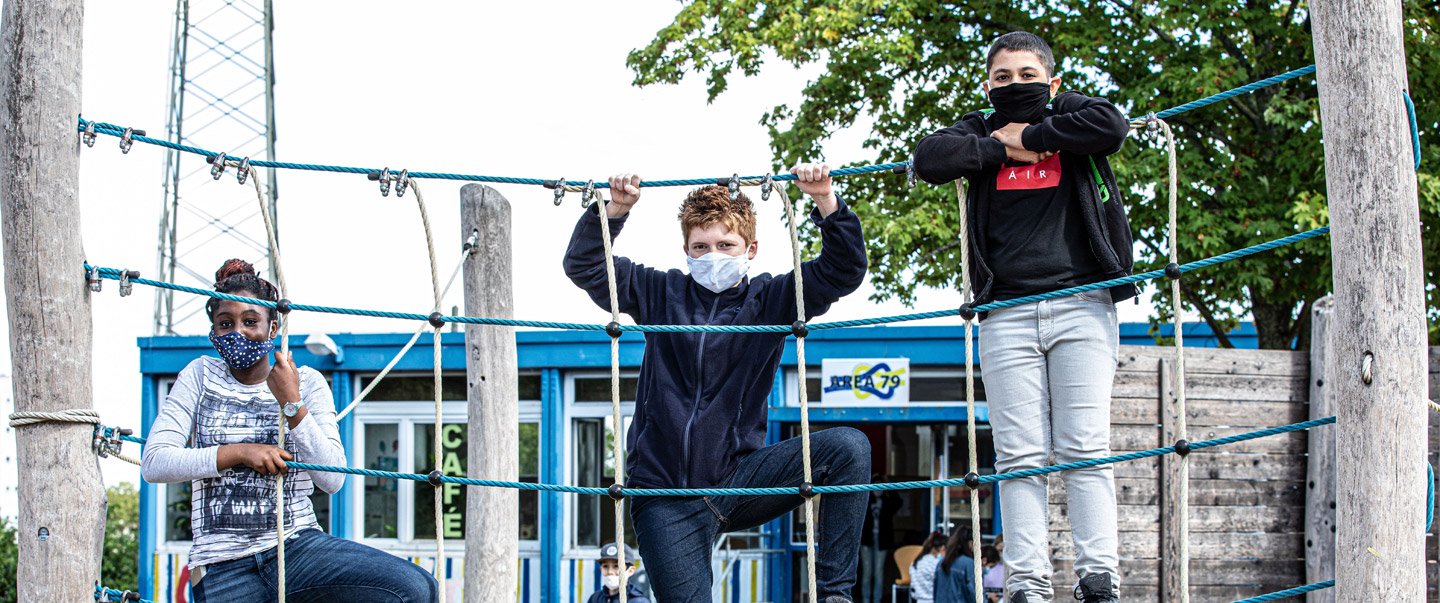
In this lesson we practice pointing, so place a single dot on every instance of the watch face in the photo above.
(291, 409)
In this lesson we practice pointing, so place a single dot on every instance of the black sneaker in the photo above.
(1096, 588)
(1018, 597)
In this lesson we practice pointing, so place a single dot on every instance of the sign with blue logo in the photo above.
(865, 381)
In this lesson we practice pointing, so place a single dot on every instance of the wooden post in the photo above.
(1320, 472)
(1170, 587)
(492, 514)
(61, 499)
(1378, 360)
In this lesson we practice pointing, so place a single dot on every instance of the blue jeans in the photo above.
(319, 567)
(1049, 369)
(676, 534)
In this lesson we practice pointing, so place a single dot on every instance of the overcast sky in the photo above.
(529, 89)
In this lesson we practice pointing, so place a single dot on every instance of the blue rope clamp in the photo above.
(127, 140)
(587, 195)
(217, 166)
(89, 135)
(125, 285)
(384, 179)
(558, 185)
(767, 186)
(402, 182)
(734, 185)
(243, 171)
(92, 277)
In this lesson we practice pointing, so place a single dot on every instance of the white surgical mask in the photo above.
(611, 582)
(718, 271)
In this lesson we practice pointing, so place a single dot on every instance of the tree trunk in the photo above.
(61, 499)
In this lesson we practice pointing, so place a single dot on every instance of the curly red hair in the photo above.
(711, 205)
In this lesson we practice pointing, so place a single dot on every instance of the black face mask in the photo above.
(1021, 103)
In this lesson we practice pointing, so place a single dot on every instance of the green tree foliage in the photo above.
(118, 565)
(9, 560)
(1251, 169)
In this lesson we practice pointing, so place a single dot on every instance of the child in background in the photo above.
(922, 570)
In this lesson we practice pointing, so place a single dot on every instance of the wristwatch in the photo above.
(293, 408)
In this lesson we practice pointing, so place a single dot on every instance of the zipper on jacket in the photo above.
(699, 393)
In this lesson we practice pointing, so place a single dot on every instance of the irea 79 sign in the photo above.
(865, 381)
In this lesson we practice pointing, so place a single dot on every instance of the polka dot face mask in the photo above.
(239, 351)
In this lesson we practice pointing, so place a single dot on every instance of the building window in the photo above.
(594, 441)
(382, 453)
(597, 389)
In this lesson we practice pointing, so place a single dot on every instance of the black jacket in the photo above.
(700, 405)
(632, 592)
(1084, 131)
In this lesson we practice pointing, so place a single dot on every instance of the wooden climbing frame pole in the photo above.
(61, 498)
(492, 514)
(1378, 359)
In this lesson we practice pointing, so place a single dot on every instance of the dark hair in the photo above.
(1022, 40)
(989, 553)
(238, 277)
(959, 544)
(933, 542)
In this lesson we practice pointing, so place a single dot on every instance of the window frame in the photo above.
(570, 472)
(406, 415)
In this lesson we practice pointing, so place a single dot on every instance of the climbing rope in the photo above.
(967, 297)
(466, 251)
(1299, 590)
(800, 333)
(130, 135)
(26, 418)
(116, 274)
(220, 163)
(438, 491)
(603, 216)
(1182, 432)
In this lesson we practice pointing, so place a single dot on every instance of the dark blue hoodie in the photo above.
(700, 405)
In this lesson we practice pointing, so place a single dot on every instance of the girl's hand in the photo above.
(284, 379)
(263, 458)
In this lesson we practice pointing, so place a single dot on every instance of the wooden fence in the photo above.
(1247, 500)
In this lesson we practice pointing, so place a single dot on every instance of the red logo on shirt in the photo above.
(1045, 174)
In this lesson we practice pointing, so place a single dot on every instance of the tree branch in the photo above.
(1136, 16)
(1299, 321)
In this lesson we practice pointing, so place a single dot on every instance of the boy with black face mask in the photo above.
(1045, 214)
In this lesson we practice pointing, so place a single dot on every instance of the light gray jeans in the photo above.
(1048, 370)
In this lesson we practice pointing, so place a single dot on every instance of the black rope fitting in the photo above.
(807, 490)
(283, 306)
(1182, 447)
(972, 479)
(613, 329)
(799, 329)
(129, 596)
(616, 491)
(434, 478)
(1172, 270)
(436, 319)
(557, 185)
(967, 312)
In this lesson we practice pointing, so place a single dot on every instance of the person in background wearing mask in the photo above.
(701, 401)
(218, 429)
(1047, 215)
(610, 577)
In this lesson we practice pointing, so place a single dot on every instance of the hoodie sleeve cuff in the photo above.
(841, 209)
(1033, 138)
(992, 152)
(594, 217)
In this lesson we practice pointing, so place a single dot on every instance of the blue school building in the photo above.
(565, 427)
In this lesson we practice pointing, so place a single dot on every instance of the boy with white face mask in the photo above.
(609, 591)
(701, 401)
